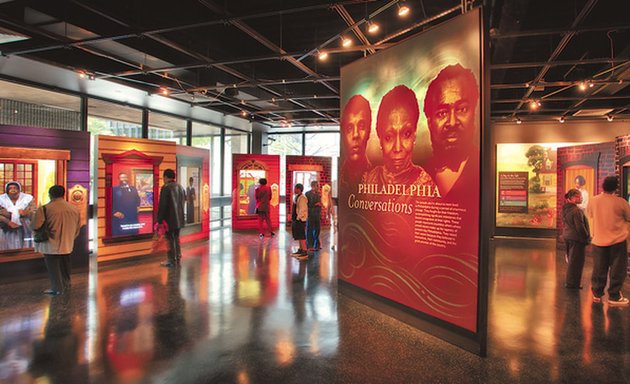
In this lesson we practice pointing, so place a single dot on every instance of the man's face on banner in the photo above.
(123, 179)
(452, 120)
(398, 138)
(355, 127)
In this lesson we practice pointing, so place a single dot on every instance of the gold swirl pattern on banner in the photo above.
(407, 284)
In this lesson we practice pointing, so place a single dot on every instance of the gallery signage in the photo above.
(513, 192)
(409, 185)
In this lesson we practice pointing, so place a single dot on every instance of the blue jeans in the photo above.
(312, 234)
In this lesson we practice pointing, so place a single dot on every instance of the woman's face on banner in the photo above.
(398, 139)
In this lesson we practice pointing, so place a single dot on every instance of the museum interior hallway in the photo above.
(240, 310)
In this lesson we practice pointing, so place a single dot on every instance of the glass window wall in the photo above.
(36, 107)
(166, 127)
(105, 118)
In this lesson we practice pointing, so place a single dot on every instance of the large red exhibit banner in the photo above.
(409, 186)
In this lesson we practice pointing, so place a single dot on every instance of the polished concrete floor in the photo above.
(241, 311)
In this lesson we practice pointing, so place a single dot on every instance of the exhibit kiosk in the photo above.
(412, 242)
(303, 170)
(37, 159)
(247, 169)
(129, 180)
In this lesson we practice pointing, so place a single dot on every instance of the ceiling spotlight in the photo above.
(582, 86)
(518, 120)
(346, 42)
(591, 84)
(82, 74)
(534, 105)
(561, 119)
(244, 113)
(372, 27)
(609, 117)
(323, 55)
(91, 76)
(403, 9)
(164, 91)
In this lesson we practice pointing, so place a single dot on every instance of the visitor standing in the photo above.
(299, 215)
(171, 212)
(263, 196)
(313, 224)
(64, 223)
(609, 216)
(576, 235)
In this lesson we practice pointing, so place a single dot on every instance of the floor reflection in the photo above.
(241, 310)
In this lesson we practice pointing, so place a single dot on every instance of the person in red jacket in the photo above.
(263, 196)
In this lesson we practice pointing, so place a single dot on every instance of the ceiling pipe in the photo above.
(564, 42)
(346, 30)
(345, 15)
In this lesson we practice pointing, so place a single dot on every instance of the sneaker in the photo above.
(272, 234)
(261, 236)
(597, 299)
(297, 253)
(51, 292)
(620, 302)
(302, 258)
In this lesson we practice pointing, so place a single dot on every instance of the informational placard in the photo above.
(537, 163)
(513, 192)
(409, 185)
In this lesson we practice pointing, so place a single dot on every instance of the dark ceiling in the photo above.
(260, 58)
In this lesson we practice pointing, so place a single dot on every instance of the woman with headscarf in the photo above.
(17, 233)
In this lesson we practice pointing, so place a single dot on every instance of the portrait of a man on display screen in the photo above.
(356, 123)
(449, 106)
(125, 206)
(396, 126)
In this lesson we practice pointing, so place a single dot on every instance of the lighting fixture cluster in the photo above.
(534, 105)
(584, 85)
(563, 119)
(86, 75)
(372, 27)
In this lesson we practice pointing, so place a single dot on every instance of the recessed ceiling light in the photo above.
(372, 27)
(403, 9)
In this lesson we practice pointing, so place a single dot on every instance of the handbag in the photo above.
(8, 229)
(159, 243)
(43, 233)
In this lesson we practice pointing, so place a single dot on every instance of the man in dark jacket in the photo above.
(171, 212)
(576, 235)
